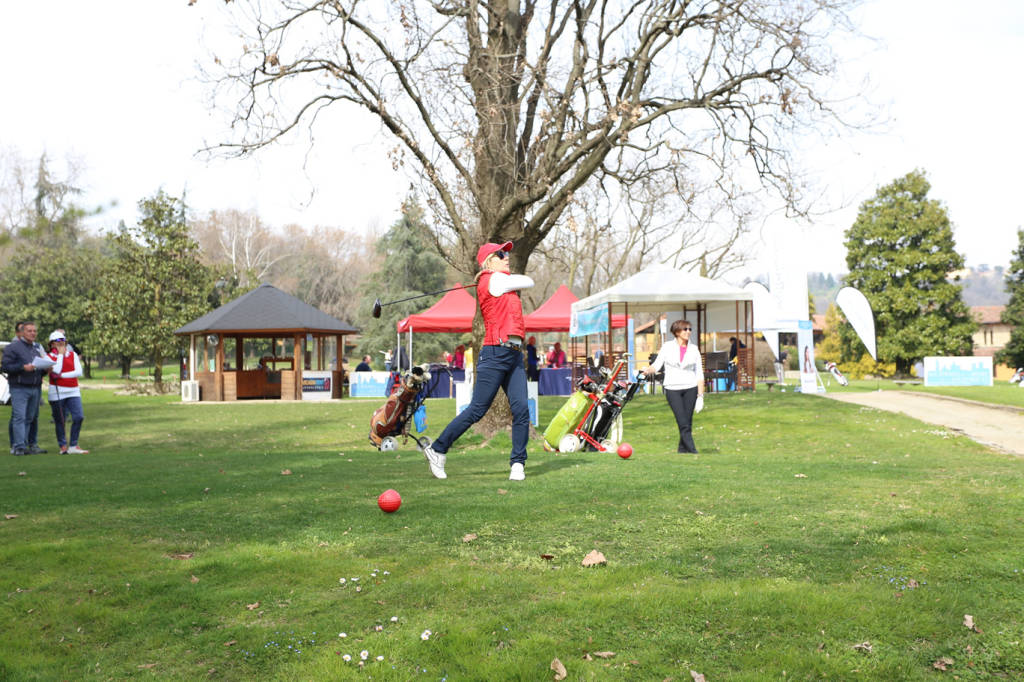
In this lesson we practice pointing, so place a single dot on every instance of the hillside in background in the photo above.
(984, 285)
(823, 286)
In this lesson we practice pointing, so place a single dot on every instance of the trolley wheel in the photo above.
(609, 445)
(388, 444)
(569, 443)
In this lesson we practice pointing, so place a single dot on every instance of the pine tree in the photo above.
(1013, 353)
(411, 266)
(901, 254)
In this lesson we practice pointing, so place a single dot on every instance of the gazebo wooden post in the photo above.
(191, 357)
(218, 378)
(339, 374)
(300, 363)
(239, 353)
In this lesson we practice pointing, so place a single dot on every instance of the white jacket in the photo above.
(679, 375)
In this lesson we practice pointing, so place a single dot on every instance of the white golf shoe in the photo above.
(518, 472)
(436, 461)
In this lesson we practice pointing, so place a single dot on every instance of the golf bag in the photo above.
(591, 418)
(392, 418)
(840, 377)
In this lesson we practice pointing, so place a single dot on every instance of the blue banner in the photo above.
(591, 321)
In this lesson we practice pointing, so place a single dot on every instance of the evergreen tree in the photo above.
(1013, 353)
(154, 284)
(901, 252)
(829, 350)
(411, 266)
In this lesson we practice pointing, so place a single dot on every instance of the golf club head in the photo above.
(376, 308)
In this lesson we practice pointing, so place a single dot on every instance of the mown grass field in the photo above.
(808, 540)
(999, 393)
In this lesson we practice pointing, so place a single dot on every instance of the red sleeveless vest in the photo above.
(66, 364)
(503, 315)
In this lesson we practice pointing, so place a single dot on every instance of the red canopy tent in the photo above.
(453, 313)
(553, 315)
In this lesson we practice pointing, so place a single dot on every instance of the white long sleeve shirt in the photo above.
(503, 282)
(679, 374)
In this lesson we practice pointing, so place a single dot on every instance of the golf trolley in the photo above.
(592, 417)
(1018, 377)
(834, 371)
(391, 419)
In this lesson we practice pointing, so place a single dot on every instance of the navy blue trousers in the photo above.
(498, 367)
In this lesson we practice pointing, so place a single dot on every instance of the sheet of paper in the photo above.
(43, 363)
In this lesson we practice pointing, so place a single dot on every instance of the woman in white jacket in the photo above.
(684, 380)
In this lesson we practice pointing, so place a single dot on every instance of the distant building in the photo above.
(992, 335)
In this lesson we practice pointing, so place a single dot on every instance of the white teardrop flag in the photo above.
(858, 313)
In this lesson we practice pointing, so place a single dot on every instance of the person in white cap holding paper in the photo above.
(64, 395)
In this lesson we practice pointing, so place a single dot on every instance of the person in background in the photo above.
(532, 359)
(25, 383)
(64, 394)
(459, 360)
(684, 381)
(780, 365)
(734, 346)
(500, 364)
(364, 366)
(556, 358)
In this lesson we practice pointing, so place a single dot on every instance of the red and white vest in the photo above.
(503, 315)
(68, 365)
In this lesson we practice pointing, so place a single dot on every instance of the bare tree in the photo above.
(508, 108)
(240, 241)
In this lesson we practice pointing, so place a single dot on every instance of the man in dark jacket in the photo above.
(25, 382)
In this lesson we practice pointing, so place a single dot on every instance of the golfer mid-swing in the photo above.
(501, 360)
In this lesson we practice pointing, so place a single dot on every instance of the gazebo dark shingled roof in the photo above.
(265, 309)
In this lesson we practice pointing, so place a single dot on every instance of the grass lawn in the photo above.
(182, 549)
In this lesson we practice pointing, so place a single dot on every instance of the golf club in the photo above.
(377, 305)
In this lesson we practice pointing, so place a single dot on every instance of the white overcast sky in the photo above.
(113, 84)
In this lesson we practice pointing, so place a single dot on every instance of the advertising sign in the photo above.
(316, 385)
(805, 352)
(957, 371)
(368, 384)
(590, 321)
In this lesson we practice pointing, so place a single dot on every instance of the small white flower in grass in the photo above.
(378, 628)
(394, 619)
(426, 635)
(380, 658)
(387, 572)
(342, 635)
(341, 581)
(355, 580)
(364, 654)
(346, 658)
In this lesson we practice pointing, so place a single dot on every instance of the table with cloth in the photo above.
(555, 381)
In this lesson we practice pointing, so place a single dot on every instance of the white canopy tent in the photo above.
(710, 305)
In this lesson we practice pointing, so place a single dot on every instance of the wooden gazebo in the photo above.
(310, 369)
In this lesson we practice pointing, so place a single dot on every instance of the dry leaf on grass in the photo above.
(186, 555)
(22, 473)
(194, 579)
(10, 516)
(146, 666)
(502, 491)
(253, 606)
(969, 624)
(286, 472)
(230, 643)
(547, 557)
(864, 647)
(942, 663)
(469, 537)
(560, 672)
(604, 654)
(697, 677)
(595, 558)
(799, 475)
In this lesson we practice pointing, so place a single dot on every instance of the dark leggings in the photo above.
(682, 403)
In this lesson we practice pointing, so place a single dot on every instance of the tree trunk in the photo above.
(126, 367)
(86, 367)
(158, 372)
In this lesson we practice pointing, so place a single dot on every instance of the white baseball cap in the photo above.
(57, 336)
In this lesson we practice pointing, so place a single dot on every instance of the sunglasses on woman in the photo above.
(501, 254)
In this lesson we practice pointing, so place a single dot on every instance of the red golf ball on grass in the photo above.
(625, 450)
(389, 500)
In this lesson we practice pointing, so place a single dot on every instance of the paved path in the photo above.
(997, 426)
